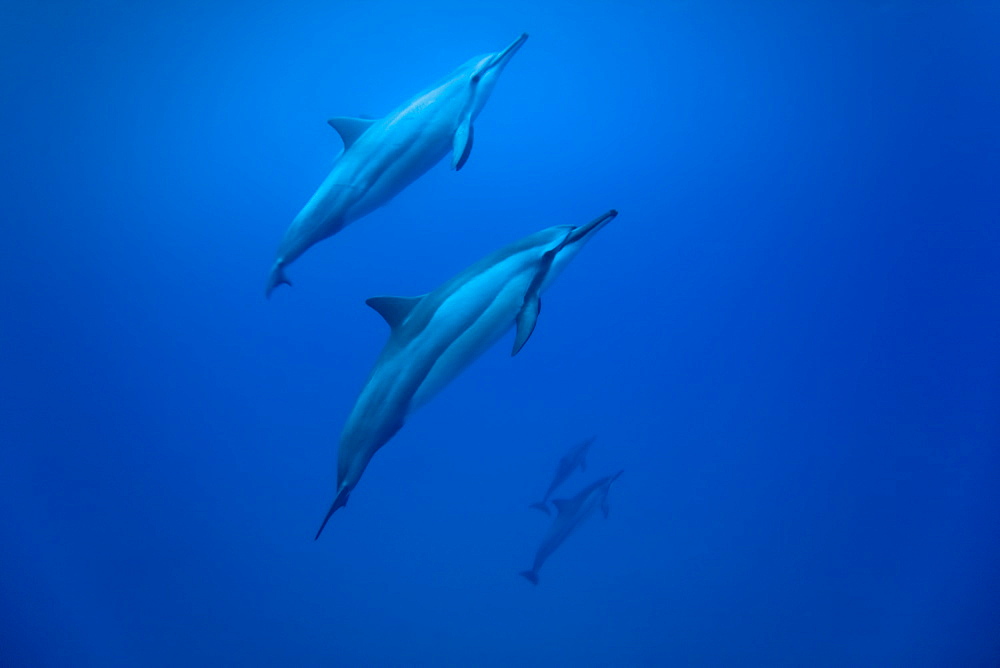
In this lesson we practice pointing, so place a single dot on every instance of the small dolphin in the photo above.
(434, 337)
(572, 513)
(576, 457)
(381, 157)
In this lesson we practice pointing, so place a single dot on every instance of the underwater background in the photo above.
(789, 339)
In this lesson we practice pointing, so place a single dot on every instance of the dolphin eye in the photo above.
(476, 77)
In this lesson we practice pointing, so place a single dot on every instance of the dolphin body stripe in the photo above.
(434, 337)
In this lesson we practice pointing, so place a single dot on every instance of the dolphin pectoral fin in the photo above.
(526, 319)
(276, 278)
(393, 310)
(542, 506)
(531, 576)
(462, 144)
(605, 507)
(532, 305)
(349, 128)
(562, 505)
(339, 502)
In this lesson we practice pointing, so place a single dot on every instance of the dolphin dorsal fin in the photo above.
(349, 128)
(562, 505)
(393, 310)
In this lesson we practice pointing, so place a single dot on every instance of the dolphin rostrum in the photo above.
(572, 513)
(435, 336)
(381, 157)
(576, 457)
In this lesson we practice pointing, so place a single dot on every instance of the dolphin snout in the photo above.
(515, 45)
(504, 56)
(586, 230)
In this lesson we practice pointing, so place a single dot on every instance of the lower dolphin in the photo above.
(435, 336)
(572, 513)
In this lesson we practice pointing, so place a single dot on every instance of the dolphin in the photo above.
(435, 336)
(383, 156)
(576, 457)
(572, 513)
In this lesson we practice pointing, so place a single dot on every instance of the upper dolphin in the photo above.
(381, 157)
(572, 513)
(435, 336)
(576, 457)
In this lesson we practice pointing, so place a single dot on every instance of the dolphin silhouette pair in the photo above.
(572, 460)
(572, 513)
(435, 336)
(381, 157)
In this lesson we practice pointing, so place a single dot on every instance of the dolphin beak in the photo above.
(502, 58)
(584, 231)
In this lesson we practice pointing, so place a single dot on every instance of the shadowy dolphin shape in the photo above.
(381, 157)
(434, 337)
(576, 457)
(572, 513)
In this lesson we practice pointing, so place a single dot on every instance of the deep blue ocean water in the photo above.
(788, 338)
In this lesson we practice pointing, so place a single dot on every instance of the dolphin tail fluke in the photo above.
(276, 278)
(338, 502)
(542, 506)
(531, 576)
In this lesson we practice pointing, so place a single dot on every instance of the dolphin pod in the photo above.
(575, 458)
(572, 513)
(435, 336)
(381, 157)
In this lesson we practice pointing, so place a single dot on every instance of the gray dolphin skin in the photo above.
(435, 336)
(381, 157)
(572, 513)
(575, 458)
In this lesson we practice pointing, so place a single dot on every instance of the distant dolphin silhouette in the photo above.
(576, 457)
(572, 513)
(434, 337)
(381, 157)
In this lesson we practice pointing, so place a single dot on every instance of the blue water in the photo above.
(788, 338)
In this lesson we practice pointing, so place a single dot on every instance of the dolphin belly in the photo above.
(323, 216)
(489, 327)
(362, 180)
(400, 172)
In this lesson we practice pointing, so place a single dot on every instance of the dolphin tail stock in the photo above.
(276, 278)
(339, 502)
(530, 576)
(542, 506)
